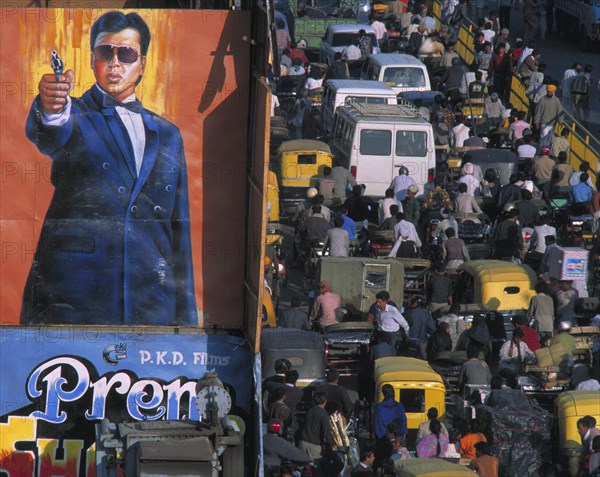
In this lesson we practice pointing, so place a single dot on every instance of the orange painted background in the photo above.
(196, 77)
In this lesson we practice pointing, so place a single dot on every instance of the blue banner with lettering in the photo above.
(58, 382)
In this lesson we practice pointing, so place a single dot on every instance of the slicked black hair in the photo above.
(115, 21)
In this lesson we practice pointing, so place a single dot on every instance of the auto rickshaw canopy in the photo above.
(397, 368)
(430, 467)
(501, 285)
(301, 163)
(296, 145)
(570, 407)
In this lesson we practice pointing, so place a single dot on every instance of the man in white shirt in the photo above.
(384, 205)
(351, 53)
(407, 230)
(389, 318)
(537, 243)
(401, 182)
(460, 132)
(473, 185)
(584, 167)
(527, 151)
(379, 29)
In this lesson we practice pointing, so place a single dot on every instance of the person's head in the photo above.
(456, 61)
(318, 199)
(584, 424)
(487, 46)
(550, 90)
(412, 191)
(389, 193)
(549, 240)
(421, 28)
(473, 351)
(394, 209)
(119, 44)
(480, 37)
(338, 221)
(337, 56)
(450, 232)
(519, 320)
(481, 448)
(326, 171)
(356, 190)
(296, 302)
(362, 32)
(444, 327)
(316, 209)
(587, 69)
(388, 391)
(343, 209)
(462, 187)
(584, 166)
(518, 335)
(279, 394)
(367, 456)
(324, 286)
(489, 176)
(439, 269)
(528, 138)
(562, 157)
(381, 299)
(432, 413)
(583, 177)
(402, 171)
(282, 366)
(521, 115)
(526, 194)
(320, 399)
(333, 375)
(297, 61)
(291, 377)
(286, 52)
(478, 75)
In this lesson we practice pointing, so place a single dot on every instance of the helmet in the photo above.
(311, 192)
(275, 426)
(267, 261)
(439, 117)
(508, 207)
(403, 170)
(456, 61)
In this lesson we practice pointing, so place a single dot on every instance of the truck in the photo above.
(579, 19)
(309, 19)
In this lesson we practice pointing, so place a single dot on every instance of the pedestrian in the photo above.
(582, 192)
(336, 395)
(365, 43)
(508, 238)
(339, 68)
(421, 323)
(484, 463)
(316, 431)
(282, 35)
(500, 69)
(474, 371)
(365, 467)
(388, 411)
(327, 306)
(401, 182)
(384, 206)
(454, 250)
(529, 215)
(469, 440)
(457, 324)
(560, 143)
(299, 114)
(440, 290)
(295, 317)
(531, 14)
(435, 443)
(580, 95)
(411, 205)
(279, 410)
(358, 207)
(565, 85)
(425, 429)
(440, 340)
(515, 130)
(547, 113)
(389, 320)
(530, 336)
(277, 449)
(541, 309)
(338, 240)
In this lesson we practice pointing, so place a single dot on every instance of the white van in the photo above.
(399, 71)
(336, 92)
(374, 141)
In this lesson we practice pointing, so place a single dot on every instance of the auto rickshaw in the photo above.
(505, 288)
(417, 385)
(570, 406)
(300, 164)
(276, 272)
(430, 468)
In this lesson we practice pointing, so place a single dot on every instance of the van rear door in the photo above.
(375, 166)
(412, 148)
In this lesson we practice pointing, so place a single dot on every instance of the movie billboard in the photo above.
(123, 158)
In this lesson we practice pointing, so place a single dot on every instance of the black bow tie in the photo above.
(109, 102)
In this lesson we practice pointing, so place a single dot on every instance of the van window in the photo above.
(411, 143)
(367, 100)
(403, 76)
(345, 38)
(348, 135)
(338, 127)
(375, 142)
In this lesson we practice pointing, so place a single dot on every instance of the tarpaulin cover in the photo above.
(518, 431)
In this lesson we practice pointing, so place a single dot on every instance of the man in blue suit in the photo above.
(115, 247)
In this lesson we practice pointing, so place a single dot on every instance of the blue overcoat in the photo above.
(115, 248)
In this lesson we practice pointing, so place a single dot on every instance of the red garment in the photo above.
(296, 53)
(531, 338)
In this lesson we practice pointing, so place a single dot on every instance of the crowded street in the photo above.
(434, 307)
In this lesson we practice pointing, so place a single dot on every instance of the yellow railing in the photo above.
(584, 146)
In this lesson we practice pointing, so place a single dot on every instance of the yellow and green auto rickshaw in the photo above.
(569, 407)
(300, 165)
(417, 386)
(430, 468)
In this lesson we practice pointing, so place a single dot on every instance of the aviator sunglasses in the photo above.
(125, 54)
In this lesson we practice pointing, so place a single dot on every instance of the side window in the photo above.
(339, 123)
(375, 73)
(375, 142)
(411, 143)
(348, 136)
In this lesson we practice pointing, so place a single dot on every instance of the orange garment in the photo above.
(486, 465)
(467, 444)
